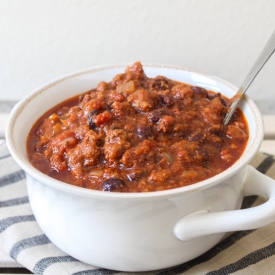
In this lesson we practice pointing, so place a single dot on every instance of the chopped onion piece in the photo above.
(95, 173)
(126, 88)
(168, 157)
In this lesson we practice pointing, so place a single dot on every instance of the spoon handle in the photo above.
(264, 56)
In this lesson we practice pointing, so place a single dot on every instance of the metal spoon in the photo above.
(264, 56)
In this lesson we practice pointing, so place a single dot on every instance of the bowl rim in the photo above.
(33, 172)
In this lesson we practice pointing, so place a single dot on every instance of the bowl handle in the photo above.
(203, 223)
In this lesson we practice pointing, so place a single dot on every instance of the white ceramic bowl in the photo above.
(140, 231)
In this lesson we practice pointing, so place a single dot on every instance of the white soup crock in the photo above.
(140, 231)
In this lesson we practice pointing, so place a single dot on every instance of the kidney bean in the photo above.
(167, 100)
(159, 83)
(200, 91)
(155, 115)
(216, 129)
(91, 119)
(135, 174)
(198, 136)
(222, 100)
(92, 123)
(113, 185)
(143, 131)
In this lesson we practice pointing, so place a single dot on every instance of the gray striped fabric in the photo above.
(245, 252)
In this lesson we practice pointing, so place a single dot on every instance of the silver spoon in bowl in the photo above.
(264, 56)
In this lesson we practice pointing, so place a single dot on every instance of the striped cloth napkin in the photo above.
(245, 252)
